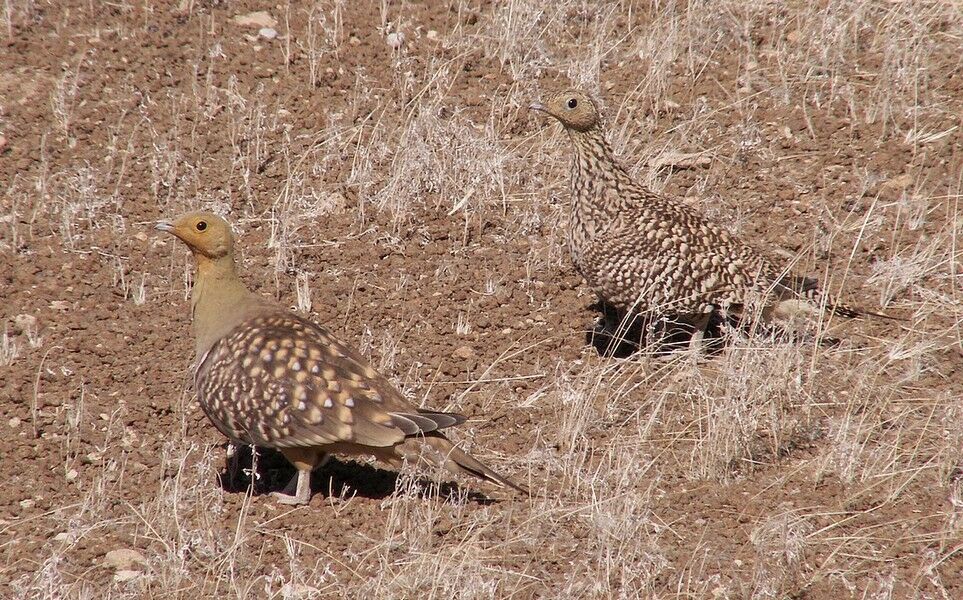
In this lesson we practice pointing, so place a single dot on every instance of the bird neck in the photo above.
(594, 157)
(219, 301)
(595, 172)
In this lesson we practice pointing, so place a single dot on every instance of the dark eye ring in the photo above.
(201, 225)
(572, 102)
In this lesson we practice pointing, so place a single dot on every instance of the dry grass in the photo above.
(820, 454)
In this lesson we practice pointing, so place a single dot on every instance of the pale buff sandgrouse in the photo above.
(646, 254)
(267, 377)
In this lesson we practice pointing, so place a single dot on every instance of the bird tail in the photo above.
(808, 288)
(458, 461)
(852, 313)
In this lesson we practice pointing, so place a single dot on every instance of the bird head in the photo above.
(205, 233)
(574, 110)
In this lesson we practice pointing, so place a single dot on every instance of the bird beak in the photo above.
(166, 226)
(537, 106)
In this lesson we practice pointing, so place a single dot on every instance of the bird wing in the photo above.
(731, 273)
(676, 263)
(691, 267)
(278, 380)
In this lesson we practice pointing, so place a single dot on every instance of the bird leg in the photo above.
(304, 460)
(300, 484)
(699, 326)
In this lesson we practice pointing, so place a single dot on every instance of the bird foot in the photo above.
(289, 499)
(692, 356)
(301, 486)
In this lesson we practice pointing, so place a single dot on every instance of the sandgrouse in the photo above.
(265, 376)
(648, 255)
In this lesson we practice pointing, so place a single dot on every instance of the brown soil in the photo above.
(423, 204)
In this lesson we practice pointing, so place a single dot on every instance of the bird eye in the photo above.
(572, 102)
(201, 225)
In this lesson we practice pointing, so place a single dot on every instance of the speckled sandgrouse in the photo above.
(646, 254)
(267, 377)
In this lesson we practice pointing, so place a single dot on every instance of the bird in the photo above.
(646, 254)
(267, 377)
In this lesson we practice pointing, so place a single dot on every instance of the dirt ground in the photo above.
(384, 175)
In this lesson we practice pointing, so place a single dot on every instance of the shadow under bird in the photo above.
(646, 254)
(267, 377)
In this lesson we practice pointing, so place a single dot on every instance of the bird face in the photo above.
(574, 110)
(204, 233)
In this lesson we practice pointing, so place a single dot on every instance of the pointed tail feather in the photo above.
(790, 286)
(424, 421)
(459, 461)
(853, 313)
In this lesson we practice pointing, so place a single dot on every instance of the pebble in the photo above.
(432, 35)
(25, 322)
(14, 422)
(463, 353)
(124, 559)
(268, 33)
(3, 142)
(126, 575)
(395, 40)
(256, 19)
(72, 474)
(898, 183)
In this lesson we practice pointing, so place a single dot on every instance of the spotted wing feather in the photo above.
(282, 381)
(661, 259)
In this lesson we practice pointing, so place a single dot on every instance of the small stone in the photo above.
(3, 142)
(126, 575)
(354, 40)
(899, 183)
(72, 474)
(268, 33)
(463, 353)
(62, 537)
(432, 35)
(25, 322)
(61, 305)
(299, 590)
(28, 503)
(14, 422)
(124, 559)
(336, 203)
(256, 19)
(395, 40)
